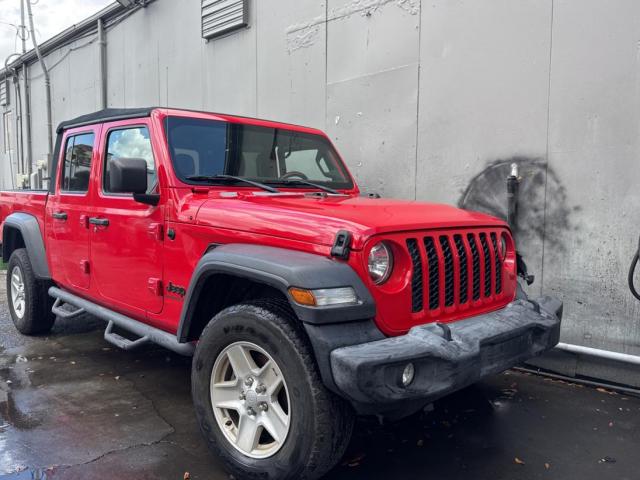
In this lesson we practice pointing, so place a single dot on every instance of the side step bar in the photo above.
(145, 332)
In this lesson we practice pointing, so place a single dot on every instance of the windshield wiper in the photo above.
(231, 178)
(299, 181)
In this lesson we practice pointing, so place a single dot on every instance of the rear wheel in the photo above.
(29, 303)
(259, 398)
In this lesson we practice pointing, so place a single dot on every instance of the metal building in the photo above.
(426, 99)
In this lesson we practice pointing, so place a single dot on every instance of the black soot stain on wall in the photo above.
(487, 192)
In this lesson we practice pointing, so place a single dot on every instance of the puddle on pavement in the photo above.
(11, 416)
(29, 474)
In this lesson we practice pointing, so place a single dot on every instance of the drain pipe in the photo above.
(513, 184)
(26, 118)
(47, 85)
(102, 46)
(18, 120)
(18, 117)
(596, 352)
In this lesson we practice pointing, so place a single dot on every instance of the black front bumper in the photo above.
(446, 358)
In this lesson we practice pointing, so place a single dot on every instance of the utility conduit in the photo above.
(595, 352)
(47, 85)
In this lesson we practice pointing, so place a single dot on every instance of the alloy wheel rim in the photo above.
(250, 400)
(17, 292)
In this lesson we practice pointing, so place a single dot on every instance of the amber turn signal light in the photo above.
(302, 296)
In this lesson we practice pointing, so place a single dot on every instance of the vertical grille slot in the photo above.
(448, 271)
(434, 273)
(456, 270)
(462, 255)
(498, 262)
(487, 264)
(475, 256)
(416, 278)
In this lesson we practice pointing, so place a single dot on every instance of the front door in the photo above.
(67, 209)
(127, 236)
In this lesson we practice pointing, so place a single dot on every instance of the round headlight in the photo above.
(380, 263)
(503, 246)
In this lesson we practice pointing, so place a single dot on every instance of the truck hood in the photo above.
(316, 220)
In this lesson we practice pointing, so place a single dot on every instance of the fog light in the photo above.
(407, 374)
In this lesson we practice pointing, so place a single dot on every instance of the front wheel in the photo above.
(259, 398)
(29, 303)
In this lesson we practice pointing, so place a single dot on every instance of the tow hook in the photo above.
(446, 332)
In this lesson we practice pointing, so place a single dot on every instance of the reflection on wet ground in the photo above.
(73, 407)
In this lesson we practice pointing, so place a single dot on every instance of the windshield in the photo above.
(206, 148)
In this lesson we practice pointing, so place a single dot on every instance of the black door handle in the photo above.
(59, 215)
(103, 222)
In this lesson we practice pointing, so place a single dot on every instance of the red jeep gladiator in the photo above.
(247, 244)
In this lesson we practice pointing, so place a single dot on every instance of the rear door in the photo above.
(127, 236)
(67, 210)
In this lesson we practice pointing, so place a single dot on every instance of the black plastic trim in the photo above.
(280, 268)
(105, 115)
(147, 198)
(445, 359)
(326, 338)
(341, 245)
(28, 226)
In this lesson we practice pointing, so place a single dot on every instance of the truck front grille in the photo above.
(452, 270)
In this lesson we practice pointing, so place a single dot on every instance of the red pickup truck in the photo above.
(247, 244)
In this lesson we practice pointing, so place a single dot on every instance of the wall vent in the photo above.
(4, 92)
(223, 16)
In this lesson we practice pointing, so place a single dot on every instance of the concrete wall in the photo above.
(431, 100)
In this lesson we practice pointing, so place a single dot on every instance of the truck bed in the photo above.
(27, 201)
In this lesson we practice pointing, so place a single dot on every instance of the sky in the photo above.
(49, 17)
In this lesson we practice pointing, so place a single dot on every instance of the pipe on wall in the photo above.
(47, 86)
(26, 118)
(18, 123)
(595, 352)
(102, 46)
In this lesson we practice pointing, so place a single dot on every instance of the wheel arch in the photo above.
(240, 272)
(21, 230)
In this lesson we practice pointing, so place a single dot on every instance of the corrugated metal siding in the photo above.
(4, 92)
(222, 16)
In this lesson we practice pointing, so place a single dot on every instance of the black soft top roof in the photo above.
(105, 115)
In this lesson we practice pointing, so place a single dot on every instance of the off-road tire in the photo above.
(321, 423)
(37, 318)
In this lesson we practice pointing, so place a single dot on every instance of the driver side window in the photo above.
(130, 142)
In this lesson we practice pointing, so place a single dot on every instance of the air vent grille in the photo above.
(222, 16)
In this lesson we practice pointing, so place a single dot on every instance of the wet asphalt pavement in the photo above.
(73, 407)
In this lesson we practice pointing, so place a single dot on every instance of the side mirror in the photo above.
(128, 175)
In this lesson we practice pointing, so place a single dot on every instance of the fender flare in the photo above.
(29, 228)
(280, 268)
